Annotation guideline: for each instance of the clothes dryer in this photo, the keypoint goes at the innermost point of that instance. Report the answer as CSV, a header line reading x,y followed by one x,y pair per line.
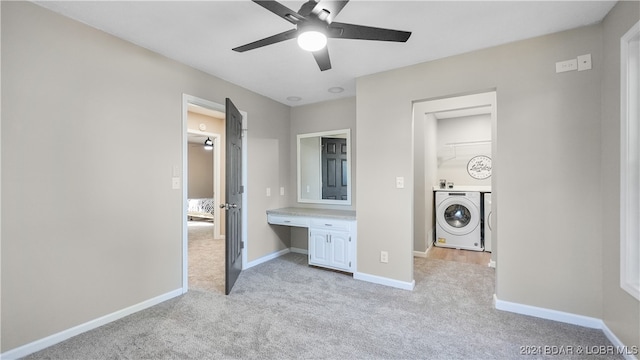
x,y
487,222
458,220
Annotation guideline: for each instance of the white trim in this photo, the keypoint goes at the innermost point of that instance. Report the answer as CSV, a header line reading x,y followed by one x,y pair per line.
x,y
335,133
549,314
569,318
266,258
615,341
299,251
51,340
385,281
428,245
629,143
245,184
420,254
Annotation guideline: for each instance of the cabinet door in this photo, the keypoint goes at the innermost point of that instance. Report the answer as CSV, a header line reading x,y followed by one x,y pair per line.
x,y
339,250
318,247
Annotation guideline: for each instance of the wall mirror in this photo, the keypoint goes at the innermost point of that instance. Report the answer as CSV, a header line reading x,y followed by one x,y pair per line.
x,y
324,169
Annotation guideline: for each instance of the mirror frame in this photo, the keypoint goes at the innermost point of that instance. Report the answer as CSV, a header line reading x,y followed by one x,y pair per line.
x,y
325,134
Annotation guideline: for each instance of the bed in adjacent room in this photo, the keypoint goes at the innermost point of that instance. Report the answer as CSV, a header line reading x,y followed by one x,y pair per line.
x,y
200,208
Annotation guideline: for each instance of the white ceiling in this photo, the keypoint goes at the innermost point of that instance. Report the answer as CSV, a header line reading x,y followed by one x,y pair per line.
x,y
201,34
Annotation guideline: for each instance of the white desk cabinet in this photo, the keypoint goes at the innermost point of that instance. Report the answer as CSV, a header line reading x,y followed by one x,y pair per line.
x,y
332,235
330,244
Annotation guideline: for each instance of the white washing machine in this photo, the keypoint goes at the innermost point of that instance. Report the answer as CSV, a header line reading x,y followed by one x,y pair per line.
x,y
458,220
487,222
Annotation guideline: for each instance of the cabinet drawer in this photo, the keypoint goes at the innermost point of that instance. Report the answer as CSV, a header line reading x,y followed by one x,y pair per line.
x,y
330,224
287,220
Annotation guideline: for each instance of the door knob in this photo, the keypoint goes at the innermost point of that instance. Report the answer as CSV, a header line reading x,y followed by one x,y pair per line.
x,y
228,206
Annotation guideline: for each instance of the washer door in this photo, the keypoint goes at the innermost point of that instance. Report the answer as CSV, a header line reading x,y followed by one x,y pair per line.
x,y
458,215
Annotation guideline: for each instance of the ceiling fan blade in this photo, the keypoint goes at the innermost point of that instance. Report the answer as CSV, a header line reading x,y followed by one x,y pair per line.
x,y
290,34
351,31
322,58
332,8
281,10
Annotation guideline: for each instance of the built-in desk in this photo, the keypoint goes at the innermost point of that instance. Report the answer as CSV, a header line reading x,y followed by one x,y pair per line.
x,y
332,234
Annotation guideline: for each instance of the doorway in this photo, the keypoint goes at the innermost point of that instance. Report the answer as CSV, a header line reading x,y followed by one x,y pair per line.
x,y
205,221
468,111
210,228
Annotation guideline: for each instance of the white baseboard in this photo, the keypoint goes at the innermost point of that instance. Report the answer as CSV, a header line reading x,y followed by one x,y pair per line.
x,y
564,317
421,254
266,258
299,251
549,314
428,245
385,281
50,340
616,342
358,276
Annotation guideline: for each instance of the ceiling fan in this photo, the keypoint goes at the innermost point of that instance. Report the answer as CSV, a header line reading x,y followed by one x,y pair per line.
x,y
314,24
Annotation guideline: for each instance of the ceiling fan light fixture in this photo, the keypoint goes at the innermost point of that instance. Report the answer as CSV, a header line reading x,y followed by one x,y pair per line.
x,y
208,144
312,40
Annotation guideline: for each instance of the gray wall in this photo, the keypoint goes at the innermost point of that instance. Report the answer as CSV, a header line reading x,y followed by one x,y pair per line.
x,y
547,143
324,116
201,179
91,224
453,166
556,168
200,172
425,177
621,310
63,83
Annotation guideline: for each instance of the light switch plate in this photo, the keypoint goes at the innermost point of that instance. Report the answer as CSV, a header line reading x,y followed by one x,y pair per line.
x,y
400,182
567,65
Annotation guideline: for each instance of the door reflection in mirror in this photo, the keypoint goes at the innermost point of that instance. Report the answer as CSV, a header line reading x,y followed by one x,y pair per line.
x,y
324,167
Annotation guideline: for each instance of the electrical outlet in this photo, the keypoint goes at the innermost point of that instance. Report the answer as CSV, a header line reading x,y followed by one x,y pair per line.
x,y
268,191
282,191
384,257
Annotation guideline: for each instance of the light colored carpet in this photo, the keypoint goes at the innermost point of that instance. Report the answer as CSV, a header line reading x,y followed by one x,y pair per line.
x,y
206,258
284,309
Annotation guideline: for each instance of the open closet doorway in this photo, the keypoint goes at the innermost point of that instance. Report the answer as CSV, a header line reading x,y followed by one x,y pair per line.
x,y
454,143
205,179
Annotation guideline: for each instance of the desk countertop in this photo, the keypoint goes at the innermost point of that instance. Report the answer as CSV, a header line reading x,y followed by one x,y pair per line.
x,y
326,213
